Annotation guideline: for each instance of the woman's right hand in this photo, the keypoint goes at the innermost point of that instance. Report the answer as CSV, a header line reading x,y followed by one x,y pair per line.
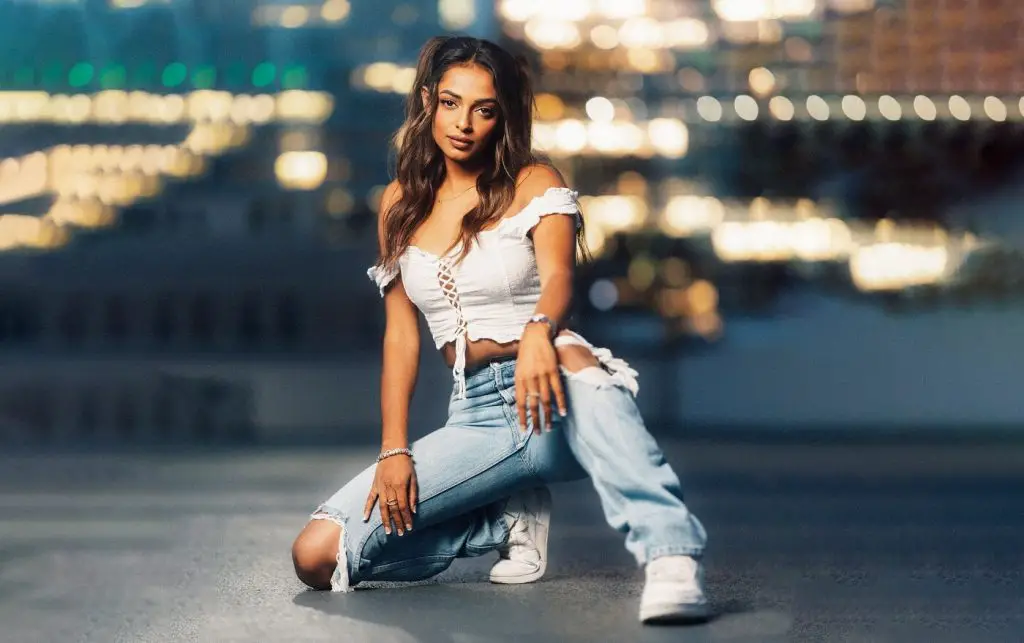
x,y
396,491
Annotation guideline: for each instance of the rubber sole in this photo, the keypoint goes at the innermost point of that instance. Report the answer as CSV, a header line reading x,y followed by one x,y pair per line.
x,y
519,580
674,613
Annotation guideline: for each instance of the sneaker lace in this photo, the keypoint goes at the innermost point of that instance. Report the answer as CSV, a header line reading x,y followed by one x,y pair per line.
x,y
519,542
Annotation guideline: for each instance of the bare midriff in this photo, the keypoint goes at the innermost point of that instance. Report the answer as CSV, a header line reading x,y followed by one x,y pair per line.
x,y
482,351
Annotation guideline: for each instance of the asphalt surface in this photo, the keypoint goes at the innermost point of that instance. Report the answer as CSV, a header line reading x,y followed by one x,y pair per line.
x,y
824,542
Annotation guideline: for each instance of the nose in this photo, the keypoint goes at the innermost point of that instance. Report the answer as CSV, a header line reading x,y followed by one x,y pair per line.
x,y
465,123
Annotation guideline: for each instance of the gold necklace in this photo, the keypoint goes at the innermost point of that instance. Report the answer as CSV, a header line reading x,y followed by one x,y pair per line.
x,y
452,198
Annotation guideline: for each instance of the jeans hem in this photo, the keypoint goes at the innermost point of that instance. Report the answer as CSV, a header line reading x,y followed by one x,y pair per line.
x,y
671,550
341,575
506,528
410,563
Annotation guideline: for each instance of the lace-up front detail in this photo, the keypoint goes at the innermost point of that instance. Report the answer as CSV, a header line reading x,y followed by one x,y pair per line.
x,y
446,279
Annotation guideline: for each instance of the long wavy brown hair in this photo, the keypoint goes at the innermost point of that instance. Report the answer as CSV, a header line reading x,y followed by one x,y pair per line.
x,y
421,164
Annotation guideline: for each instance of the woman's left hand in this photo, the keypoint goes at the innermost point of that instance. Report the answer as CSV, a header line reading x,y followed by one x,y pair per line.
x,y
538,381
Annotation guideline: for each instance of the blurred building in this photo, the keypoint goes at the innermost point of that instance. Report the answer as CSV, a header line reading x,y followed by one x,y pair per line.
x,y
189,195
189,192
843,165
730,150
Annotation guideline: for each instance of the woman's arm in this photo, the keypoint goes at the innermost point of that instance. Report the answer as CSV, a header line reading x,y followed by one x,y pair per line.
x,y
554,242
395,489
401,351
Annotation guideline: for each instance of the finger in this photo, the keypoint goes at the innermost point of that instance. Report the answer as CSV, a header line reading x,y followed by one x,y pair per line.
x,y
398,507
532,399
414,492
559,393
403,512
521,404
385,514
370,499
533,405
543,405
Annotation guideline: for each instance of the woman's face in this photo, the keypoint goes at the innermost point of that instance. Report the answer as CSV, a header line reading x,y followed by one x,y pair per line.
x,y
467,112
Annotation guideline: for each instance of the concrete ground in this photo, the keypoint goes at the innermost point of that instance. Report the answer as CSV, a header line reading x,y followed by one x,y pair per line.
x,y
808,542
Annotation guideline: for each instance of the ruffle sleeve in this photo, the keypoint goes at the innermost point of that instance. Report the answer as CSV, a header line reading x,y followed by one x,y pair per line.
x,y
382,277
553,201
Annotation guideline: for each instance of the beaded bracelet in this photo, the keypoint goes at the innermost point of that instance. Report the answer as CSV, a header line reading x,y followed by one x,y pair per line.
x,y
391,452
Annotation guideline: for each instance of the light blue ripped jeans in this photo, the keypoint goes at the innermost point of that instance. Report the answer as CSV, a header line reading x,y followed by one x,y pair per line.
x,y
468,469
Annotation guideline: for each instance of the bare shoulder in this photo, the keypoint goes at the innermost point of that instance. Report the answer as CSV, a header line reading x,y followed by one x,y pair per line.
x,y
534,180
392,193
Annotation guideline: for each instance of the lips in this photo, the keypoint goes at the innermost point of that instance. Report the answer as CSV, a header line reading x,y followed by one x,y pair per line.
x,y
461,143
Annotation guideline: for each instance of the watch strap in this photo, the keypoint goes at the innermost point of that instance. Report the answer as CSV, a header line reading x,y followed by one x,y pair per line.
x,y
543,319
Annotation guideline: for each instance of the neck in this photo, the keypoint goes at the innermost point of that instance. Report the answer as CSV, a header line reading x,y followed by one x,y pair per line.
x,y
460,176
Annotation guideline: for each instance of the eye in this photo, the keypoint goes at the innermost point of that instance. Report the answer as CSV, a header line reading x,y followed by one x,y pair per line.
x,y
486,112
447,102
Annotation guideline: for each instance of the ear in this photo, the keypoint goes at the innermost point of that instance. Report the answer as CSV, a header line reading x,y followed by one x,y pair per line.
x,y
425,97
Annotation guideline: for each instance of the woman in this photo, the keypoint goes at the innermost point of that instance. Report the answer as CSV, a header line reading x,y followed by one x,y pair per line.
x,y
481,239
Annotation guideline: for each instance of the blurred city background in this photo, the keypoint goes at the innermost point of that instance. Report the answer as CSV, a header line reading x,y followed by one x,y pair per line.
x,y
804,213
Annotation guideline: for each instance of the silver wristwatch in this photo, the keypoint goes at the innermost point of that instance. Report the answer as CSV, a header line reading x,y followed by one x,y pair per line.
x,y
543,319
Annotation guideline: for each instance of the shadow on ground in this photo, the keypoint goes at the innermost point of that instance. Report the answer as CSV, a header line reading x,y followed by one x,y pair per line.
x,y
583,609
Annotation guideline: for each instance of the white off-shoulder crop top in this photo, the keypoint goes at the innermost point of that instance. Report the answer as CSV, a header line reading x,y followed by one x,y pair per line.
x,y
492,292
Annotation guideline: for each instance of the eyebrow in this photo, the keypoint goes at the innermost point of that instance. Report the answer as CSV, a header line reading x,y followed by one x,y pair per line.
x,y
482,100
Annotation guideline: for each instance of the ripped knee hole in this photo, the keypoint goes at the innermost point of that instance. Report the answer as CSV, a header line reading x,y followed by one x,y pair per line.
x,y
576,358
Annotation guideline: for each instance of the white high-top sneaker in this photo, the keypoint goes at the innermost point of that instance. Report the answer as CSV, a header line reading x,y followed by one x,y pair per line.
x,y
524,558
674,592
